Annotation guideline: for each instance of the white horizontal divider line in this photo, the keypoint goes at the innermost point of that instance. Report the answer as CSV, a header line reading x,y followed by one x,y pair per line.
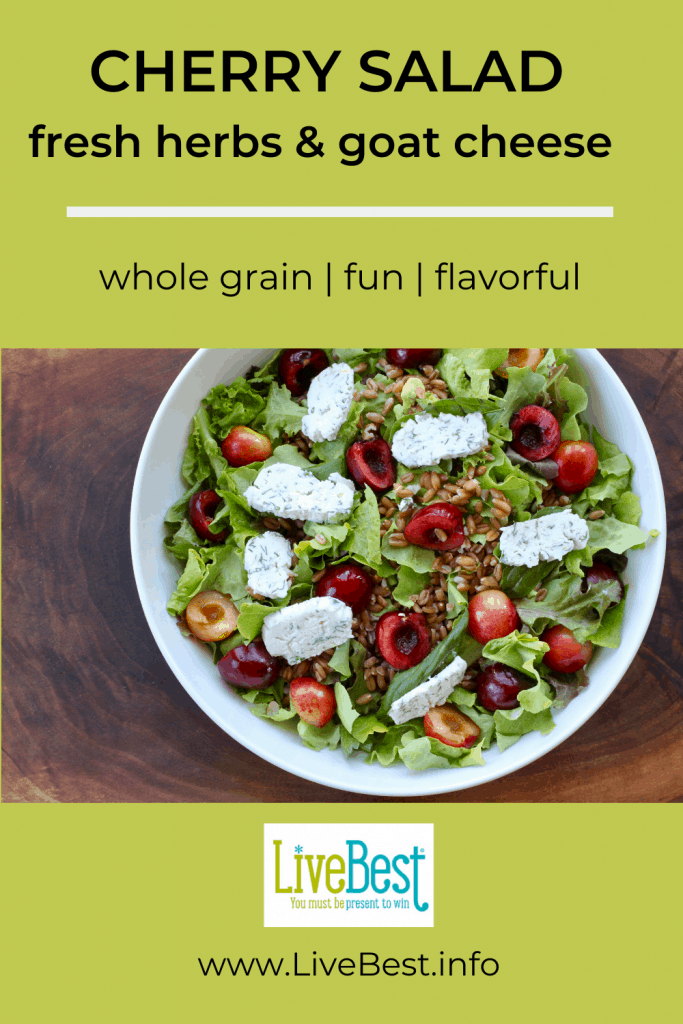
x,y
339,211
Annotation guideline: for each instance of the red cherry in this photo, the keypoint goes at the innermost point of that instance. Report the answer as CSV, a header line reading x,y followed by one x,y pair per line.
x,y
409,358
491,616
498,686
535,432
348,583
244,445
200,512
449,725
370,463
403,640
249,665
313,701
438,527
599,572
578,463
298,367
566,654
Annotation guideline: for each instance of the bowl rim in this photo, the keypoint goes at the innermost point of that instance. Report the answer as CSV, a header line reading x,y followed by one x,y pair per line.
x,y
431,787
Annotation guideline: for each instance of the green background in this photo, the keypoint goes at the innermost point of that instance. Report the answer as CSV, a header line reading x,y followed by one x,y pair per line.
x,y
619,77
108,907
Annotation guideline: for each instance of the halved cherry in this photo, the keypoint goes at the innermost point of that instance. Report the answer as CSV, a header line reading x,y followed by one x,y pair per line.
x,y
313,702
211,616
535,432
244,445
249,665
298,367
566,654
449,725
200,512
409,358
491,615
438,527
498,686
403,640
370,462
348,583
577,463
598,573
524,357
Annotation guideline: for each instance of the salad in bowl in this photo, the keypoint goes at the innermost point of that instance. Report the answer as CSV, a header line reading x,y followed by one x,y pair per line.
x,y
412,555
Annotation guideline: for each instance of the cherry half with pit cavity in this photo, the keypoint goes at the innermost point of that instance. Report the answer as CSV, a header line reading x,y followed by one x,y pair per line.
x,y
249,665
409,358
438,527
535,432
348,583
450,726
403,640
298,367
370,462
200,512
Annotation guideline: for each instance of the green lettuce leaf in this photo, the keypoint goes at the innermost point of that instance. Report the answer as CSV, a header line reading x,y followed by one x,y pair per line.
x,y
512,725
281,414
386,750
339,662
366,725
409,584
250,619
608,633
319,739
345,709
184,539
208,569
363,535
467,371
231,405
520,651
565,603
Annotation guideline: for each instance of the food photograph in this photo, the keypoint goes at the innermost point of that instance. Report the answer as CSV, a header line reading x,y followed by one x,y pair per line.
x,y
342,574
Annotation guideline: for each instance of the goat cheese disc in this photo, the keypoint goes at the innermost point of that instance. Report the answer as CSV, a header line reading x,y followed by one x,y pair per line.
x,y
542,540
329,400
284,490
268,561
304,630
424,440
429,694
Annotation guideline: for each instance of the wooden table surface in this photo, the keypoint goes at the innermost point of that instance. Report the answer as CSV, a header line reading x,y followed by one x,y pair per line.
x,y
91,711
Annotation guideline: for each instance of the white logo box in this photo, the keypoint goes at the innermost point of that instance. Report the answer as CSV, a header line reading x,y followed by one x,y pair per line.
x,y
348,876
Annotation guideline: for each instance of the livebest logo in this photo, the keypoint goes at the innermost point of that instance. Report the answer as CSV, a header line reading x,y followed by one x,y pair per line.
x,y
348,875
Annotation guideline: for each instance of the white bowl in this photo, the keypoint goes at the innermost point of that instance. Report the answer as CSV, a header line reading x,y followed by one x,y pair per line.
x,y
158,485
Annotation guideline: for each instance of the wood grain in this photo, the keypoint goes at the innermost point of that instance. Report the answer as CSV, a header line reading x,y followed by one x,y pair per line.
x,y
91,711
